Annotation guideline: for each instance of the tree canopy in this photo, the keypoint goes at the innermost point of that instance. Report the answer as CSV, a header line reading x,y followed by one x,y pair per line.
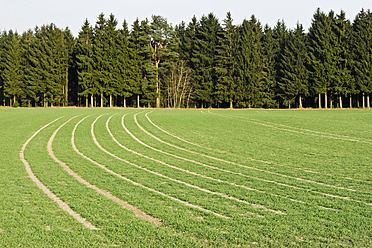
x,y
203,63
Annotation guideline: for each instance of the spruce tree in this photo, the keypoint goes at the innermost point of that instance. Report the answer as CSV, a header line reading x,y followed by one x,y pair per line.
x,y
41,77
100,57
321,54
67,55
270,52
293,68
203,58
362,54
161,34
188,44
342,83
2,50
129,67
251,64
225,64
12,73
26,40
112,72
33,70
137,59
83,51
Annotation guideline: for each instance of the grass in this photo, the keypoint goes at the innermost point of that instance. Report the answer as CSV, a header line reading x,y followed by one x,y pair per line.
x,y
213,177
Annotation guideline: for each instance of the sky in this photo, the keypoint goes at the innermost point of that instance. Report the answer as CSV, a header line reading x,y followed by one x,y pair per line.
x,y
21,15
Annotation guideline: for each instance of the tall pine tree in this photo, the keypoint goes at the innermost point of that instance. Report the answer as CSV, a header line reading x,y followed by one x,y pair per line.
x,y
203,58
293,82
362,53
321,54
226,63
83,51
251,65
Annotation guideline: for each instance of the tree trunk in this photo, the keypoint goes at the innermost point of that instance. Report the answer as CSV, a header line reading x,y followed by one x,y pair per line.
x,y
320,101
300,102
289,105
63,92
110,101
125,103
138,101
351,101
331,104
363,99
231,104
188,99
340,98
157,85
91,101
66,90
368,102
86,102
325,100
101,100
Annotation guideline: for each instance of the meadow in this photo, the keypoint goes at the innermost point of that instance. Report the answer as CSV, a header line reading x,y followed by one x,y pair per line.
x,y
76,177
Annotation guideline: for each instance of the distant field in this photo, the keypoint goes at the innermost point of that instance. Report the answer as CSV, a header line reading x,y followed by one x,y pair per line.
x,y
185,178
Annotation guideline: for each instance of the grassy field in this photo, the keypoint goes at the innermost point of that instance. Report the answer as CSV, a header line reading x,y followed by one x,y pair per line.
x,y
185,178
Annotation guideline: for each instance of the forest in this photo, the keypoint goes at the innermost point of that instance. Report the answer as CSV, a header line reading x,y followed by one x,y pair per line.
x,y
204,63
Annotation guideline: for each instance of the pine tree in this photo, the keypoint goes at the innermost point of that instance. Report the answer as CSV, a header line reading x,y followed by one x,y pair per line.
x,y
100,57
251,64
60,47
321,57
2,50
129,69
342,55
161,34
137,59
40,76
33,73
362,54
67,54
26,40
188,43
84,59
112,72
203,58
149,80
293,68
270,66
225,86
12,73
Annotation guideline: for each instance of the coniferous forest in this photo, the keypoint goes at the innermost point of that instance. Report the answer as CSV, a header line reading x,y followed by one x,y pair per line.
x,y
203,63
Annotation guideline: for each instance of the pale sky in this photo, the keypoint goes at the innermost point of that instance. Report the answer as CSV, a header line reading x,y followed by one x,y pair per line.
x,y
21,15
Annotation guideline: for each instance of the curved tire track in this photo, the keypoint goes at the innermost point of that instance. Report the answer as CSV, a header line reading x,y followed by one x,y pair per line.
x,y
64,206
138,184
189,172
265,171
251,159
286,128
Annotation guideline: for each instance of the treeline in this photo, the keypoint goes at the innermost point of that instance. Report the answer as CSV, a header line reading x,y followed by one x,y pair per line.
x,y
204,63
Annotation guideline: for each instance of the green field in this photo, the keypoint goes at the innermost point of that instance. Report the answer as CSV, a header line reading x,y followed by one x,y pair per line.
x,y
185,178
